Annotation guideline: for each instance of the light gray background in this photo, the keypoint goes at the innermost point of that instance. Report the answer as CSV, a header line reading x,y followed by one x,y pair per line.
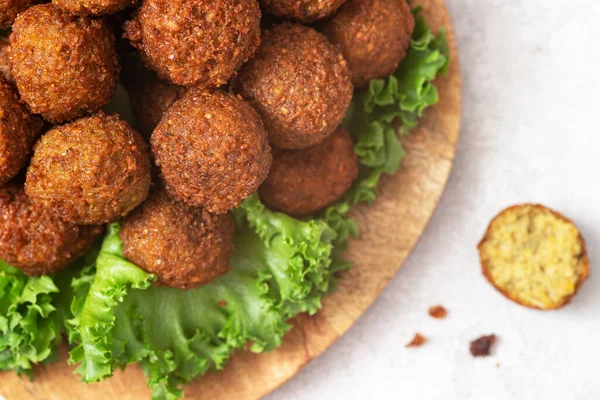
x,y
531,72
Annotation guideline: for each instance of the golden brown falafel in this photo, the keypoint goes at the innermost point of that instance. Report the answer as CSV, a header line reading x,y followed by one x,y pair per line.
x,y
151,97
10,8
94,7
91,171
36,241
303,182
534,256
300,85
5,71
64,66
212,149
373,35
196,42
304,11
18,132
183,246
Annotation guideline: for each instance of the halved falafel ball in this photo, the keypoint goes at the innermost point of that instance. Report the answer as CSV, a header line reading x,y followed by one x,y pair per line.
x,y
303,182
91,171
373,35
64,66
300,85
5,71
183,246
94,7
35,240
18,132
10,8
196,42
304,11
534,256
212,149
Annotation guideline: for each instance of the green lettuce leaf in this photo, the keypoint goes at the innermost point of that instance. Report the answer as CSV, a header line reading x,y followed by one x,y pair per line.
x,y
280,267
30,326
386,107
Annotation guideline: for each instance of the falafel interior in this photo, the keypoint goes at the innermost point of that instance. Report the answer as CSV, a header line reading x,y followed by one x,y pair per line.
x,y
534,256
280,266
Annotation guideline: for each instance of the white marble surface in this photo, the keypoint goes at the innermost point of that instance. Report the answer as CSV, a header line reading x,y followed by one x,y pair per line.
x,y
530,133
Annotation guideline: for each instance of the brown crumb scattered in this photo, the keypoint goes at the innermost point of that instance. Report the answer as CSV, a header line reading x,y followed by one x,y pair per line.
x,y
222,303
482,346
497,365
438,312
418,341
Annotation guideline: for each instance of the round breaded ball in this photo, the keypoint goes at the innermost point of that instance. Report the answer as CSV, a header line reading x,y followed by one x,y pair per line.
x,y
303,182
196,42
151,98
300,85
373,35
534,256
10,8
304,11
183,246
64,66
94,7
19,131
5,71
36,241
212,149
91,171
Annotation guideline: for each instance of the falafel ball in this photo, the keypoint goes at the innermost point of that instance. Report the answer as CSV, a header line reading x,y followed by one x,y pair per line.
x,y
212,149
150,99
64,66
10,8
373,35
5,71
183,246
36,241
18,132
303,182
534,256
94,7
91,171
196,42
304,11
300,85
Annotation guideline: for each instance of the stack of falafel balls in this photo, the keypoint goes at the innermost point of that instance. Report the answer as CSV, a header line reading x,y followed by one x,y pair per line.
x,y
231,97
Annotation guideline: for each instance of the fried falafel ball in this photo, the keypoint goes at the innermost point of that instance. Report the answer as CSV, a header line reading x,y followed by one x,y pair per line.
x,y
5,71
19,131
94,7
534,256
196,42
304,11
373,35
183,246
303,182
64,66
150,99
91,171
212,150
300,85
35,240
10,8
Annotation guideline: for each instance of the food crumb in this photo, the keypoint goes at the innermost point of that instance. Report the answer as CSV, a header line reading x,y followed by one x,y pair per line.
x,y
497,365
222,303
438,312
482,346
418,341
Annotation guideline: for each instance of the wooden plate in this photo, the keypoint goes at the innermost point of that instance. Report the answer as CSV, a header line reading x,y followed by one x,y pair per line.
x,y
389,230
